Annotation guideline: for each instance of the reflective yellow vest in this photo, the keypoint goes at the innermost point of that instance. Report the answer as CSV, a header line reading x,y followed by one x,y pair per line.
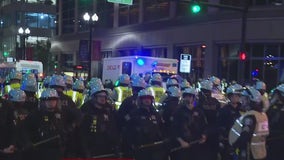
x,y
69,93
78,98
158,93
121,93
9,87
257,144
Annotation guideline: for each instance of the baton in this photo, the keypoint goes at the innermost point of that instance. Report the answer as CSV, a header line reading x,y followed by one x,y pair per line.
x,y
108,155
152,144
180,147
45,141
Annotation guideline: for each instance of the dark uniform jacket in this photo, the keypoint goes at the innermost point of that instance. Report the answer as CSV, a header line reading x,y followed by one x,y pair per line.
x,y
189,124
98,130
145,126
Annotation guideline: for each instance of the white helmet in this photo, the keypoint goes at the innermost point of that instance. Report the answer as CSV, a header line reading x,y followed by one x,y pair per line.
x,y
156,77
93,82
234,89
259,85
253,94
49,93
215,80
184,84
138,82
172,82
174,91
46,81
97,88
280,88
206,84
28,76
124,79
68,79
190,90
134,76
29,84
17,95
145,93
57,80
15,75
78,85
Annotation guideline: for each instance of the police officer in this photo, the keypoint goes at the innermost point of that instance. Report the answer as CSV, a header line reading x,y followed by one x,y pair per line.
x,y
68,88
145,129
93,82
98,129
127,106
29,86
78,93
217,91
189,126
184,84
72,115
249,132
20,111
169,107
226,118
57,82
47,129
276,122
123,90
45,84
7,131
15,78
261,87
156,88
171,82
210,107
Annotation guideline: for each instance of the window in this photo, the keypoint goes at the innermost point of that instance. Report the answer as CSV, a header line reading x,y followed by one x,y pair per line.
x,y
129,14
37,20
154,9
264,62
126,68
68,17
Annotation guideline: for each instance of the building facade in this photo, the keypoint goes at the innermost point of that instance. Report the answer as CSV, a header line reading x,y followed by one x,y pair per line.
x,y
38,16
167,28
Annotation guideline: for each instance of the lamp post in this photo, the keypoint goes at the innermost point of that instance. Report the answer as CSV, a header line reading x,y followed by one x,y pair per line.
x,y
24,33
91,19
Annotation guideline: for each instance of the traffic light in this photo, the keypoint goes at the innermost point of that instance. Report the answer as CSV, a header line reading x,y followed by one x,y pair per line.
x,y
242,55
195,7
78,67
55,66
5,54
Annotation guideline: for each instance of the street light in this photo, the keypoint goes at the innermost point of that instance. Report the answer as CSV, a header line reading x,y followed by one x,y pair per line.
x,y
91,20
24,33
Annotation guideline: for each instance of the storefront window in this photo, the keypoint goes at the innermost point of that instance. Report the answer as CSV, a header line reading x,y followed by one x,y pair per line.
x,y
264,62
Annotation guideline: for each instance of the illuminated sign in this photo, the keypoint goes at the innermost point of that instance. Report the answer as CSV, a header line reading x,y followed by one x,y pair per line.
x,y
185,63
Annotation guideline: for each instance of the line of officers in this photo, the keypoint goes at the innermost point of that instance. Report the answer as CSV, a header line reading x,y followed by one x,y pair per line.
x,y
140,120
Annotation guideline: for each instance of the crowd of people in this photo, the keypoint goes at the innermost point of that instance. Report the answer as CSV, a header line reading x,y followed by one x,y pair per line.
x,y
139,118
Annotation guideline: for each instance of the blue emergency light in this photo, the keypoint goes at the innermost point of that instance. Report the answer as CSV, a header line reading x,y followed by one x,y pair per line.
x,y
140,62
